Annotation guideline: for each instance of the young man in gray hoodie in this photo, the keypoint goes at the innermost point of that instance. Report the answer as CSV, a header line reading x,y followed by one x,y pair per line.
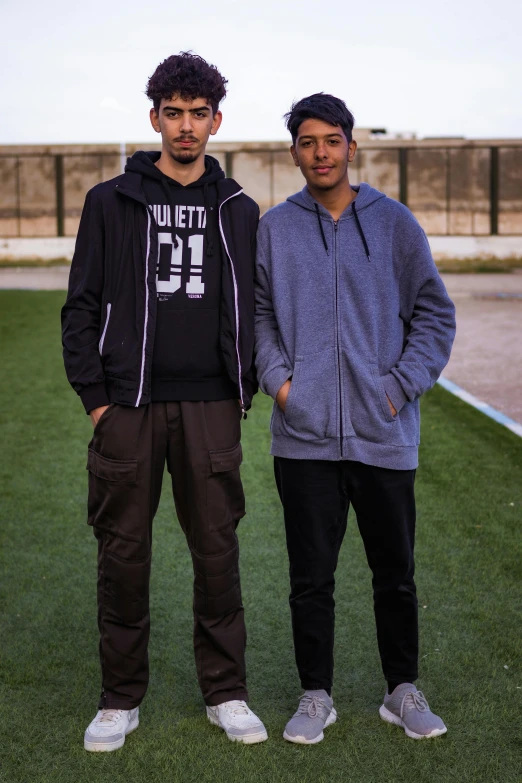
x,y
353,325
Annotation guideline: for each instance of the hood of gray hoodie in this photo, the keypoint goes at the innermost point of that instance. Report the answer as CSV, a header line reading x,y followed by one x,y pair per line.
x,y
356,314
366,195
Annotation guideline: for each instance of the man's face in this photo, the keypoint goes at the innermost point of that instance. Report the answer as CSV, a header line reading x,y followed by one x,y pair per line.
x,y
323,153
185,127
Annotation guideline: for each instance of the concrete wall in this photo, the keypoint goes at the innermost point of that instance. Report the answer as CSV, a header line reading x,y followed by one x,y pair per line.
x,y
454,187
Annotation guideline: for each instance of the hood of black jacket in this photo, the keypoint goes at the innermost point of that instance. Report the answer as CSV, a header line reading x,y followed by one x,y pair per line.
x,y
144,163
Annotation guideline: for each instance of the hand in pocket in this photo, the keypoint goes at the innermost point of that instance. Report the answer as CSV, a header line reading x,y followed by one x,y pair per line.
x,y
97,413
392,409
282,394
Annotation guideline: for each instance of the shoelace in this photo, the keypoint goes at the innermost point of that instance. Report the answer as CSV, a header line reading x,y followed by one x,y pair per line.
x,y
110,716
414,700
236,707
311,705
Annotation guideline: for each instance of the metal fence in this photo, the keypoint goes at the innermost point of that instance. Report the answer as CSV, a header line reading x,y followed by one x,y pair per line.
x,y
454,188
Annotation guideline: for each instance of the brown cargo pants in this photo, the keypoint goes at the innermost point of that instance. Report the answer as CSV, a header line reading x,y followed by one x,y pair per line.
x,y
200,442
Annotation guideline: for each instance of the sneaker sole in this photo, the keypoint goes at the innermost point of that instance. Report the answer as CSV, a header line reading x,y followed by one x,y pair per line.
x,y
101,747
247,739
390,717
303,741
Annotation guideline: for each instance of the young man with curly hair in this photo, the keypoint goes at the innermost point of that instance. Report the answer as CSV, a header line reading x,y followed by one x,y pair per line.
x,y
353,325
158,343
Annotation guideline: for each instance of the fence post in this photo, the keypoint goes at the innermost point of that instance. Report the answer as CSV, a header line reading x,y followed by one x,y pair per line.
x,y
58,167
18,199
228,163
403,175
493,189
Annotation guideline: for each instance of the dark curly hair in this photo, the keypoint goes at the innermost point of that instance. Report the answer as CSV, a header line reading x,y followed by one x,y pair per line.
x,y
188,75
320,106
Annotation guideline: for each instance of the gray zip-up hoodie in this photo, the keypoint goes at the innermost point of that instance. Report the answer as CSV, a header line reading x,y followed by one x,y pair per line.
x,y
352,311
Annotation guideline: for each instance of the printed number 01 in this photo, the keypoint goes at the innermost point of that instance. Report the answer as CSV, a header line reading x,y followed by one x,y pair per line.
x,y
173,284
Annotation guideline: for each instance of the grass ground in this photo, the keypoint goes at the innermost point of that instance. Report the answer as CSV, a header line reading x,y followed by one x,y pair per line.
x,y
8,263
469,581
479,265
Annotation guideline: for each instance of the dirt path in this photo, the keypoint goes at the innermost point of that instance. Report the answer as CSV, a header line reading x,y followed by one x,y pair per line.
x,y
487,355
30,278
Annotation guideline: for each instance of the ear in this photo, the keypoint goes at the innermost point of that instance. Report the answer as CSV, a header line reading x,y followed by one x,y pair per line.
x,y
154,120
216,122
352,147
293,153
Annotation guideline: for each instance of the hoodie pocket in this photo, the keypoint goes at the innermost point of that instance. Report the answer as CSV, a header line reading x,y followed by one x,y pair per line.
x,y
367,409
311,406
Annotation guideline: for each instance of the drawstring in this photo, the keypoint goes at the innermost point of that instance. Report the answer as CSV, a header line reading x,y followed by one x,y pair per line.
x,y
170,201
357,221
208,230
361,232
321,226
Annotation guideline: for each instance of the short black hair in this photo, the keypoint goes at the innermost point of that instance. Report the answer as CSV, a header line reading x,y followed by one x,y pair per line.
x,y
188,75
320,106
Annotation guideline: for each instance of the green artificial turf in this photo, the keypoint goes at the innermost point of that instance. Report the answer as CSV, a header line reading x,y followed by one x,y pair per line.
x,y
469,579
479,264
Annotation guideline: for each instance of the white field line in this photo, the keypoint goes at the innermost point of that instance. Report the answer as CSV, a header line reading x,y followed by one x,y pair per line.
x,y
497,416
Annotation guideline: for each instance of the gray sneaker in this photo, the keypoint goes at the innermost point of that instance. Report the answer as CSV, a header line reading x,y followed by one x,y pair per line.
x,y
315,713
408,708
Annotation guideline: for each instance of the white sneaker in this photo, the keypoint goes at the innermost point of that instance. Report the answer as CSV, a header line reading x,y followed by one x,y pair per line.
x,y
109,728
238,722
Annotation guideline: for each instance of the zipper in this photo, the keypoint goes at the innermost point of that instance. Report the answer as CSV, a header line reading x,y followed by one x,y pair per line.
x,y
236,302
146,322
102,338
336,226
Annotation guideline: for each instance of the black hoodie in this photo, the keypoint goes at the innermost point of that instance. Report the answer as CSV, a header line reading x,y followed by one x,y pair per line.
x,y
187,362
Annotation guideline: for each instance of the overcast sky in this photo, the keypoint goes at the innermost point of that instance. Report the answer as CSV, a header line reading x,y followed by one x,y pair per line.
x,y
75,72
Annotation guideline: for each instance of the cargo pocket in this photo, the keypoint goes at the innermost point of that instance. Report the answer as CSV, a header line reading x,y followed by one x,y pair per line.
x,y
225,497
113,503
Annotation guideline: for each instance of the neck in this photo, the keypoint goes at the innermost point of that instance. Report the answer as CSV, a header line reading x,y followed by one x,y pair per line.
x,y
336,199
184,173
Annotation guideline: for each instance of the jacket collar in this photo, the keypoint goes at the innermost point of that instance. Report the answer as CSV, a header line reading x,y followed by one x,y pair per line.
x,y
130,184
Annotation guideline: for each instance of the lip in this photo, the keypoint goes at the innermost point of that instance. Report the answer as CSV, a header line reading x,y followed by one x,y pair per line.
x,y
186,142
322,169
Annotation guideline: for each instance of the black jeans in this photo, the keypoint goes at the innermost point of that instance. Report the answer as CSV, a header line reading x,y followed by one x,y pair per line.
x,y
316,495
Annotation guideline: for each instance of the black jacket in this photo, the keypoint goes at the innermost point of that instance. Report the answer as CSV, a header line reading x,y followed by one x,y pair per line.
x,y
109,318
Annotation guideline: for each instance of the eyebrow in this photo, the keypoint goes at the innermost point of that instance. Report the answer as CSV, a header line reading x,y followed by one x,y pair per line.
x,y
328,136
191,111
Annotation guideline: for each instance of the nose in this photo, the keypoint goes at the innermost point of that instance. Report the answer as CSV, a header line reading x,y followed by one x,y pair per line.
x,y
186,124
321,152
